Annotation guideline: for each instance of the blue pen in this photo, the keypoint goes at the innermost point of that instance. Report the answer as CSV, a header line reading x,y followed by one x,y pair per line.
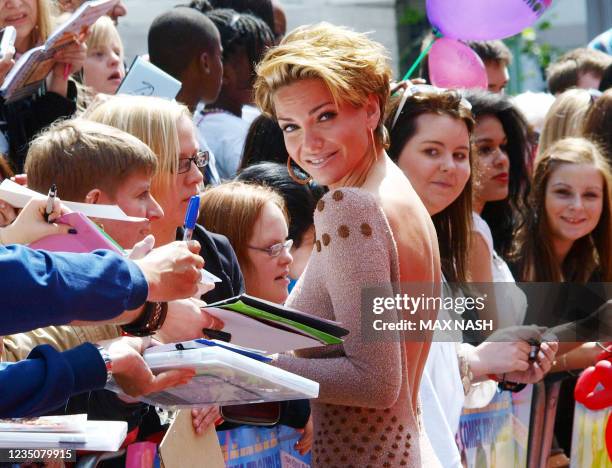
x,y
191,217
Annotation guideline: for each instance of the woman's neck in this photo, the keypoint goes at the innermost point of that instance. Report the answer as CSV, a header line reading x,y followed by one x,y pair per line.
x,y
24,44
477,205
367,168
561,248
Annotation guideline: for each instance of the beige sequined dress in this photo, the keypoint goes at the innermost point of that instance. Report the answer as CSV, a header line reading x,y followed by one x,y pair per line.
x,y
362,417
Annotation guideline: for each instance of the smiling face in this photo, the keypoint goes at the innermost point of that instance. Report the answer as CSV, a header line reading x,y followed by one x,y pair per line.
x,y
573,201
134,197
23,15
491,163
330,142
268,277
436,160
175,198
103,68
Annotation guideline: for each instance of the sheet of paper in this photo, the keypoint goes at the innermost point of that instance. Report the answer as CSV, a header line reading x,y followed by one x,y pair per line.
x,y
252,333
145,79
208,277
99,436
88,238
18,196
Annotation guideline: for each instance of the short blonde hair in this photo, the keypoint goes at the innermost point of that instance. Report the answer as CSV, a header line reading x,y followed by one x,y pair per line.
x,y
232,209
79,156
565,118
351,65
154,121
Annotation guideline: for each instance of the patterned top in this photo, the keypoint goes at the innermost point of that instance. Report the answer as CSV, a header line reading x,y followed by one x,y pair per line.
x,y
363,415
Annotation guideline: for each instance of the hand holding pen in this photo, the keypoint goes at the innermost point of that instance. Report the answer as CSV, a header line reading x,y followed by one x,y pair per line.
x,y
50,202
31,223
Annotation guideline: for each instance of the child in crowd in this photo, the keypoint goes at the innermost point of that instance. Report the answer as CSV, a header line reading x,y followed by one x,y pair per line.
x,y
300,200
566,239
104,66
186,44
244,38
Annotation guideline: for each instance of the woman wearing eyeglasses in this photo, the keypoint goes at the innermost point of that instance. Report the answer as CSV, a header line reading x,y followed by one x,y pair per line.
x,y
166,127
254,219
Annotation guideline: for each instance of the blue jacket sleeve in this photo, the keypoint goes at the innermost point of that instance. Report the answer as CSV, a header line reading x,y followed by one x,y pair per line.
x,y
47,378
40,288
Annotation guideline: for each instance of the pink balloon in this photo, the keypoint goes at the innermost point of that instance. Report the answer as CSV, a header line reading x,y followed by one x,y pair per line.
x,y
452,64
479,20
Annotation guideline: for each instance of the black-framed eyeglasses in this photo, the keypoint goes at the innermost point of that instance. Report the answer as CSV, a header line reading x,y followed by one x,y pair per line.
x,y
200,159
276,249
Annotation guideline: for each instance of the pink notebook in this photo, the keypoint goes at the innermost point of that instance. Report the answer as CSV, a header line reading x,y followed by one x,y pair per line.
x,y
89,237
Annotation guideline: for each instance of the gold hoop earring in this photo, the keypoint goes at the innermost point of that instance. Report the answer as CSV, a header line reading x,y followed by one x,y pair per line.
x,y
374,144
294,177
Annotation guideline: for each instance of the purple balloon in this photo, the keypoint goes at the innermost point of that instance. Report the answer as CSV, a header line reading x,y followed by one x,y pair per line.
x,y
481,20
452,64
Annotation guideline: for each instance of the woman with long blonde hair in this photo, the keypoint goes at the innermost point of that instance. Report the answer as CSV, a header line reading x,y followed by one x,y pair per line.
x,y
24,118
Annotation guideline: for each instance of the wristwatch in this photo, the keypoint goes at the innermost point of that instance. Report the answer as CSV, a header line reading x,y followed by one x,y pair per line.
x,y
151,319
108,362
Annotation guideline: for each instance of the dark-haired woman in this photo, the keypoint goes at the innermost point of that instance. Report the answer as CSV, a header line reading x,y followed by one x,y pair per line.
x,y
264,142
244,39
501,181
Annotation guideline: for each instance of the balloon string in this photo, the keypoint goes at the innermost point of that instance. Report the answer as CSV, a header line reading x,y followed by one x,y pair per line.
x,y
437,35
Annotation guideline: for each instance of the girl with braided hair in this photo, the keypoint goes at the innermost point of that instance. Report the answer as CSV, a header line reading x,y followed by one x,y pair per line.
x,y
244,39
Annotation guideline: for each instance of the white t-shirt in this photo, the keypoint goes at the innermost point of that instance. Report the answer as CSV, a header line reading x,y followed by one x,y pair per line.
x,y
511,301
210,171
250,113
442,395
225,134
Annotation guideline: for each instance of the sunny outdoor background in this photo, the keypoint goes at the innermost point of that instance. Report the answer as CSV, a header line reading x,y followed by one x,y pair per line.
x,y
398,25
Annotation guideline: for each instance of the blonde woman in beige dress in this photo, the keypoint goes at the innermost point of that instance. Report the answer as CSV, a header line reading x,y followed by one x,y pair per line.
x,y
327,87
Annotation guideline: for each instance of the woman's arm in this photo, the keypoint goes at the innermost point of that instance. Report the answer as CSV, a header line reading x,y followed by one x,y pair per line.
x,y
369,373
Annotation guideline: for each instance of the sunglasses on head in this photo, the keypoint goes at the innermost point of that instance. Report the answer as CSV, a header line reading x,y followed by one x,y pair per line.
x,y
424,89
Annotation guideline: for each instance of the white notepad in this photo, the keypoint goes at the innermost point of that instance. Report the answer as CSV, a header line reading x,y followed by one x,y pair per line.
x,y
145,79
225,377
103,436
